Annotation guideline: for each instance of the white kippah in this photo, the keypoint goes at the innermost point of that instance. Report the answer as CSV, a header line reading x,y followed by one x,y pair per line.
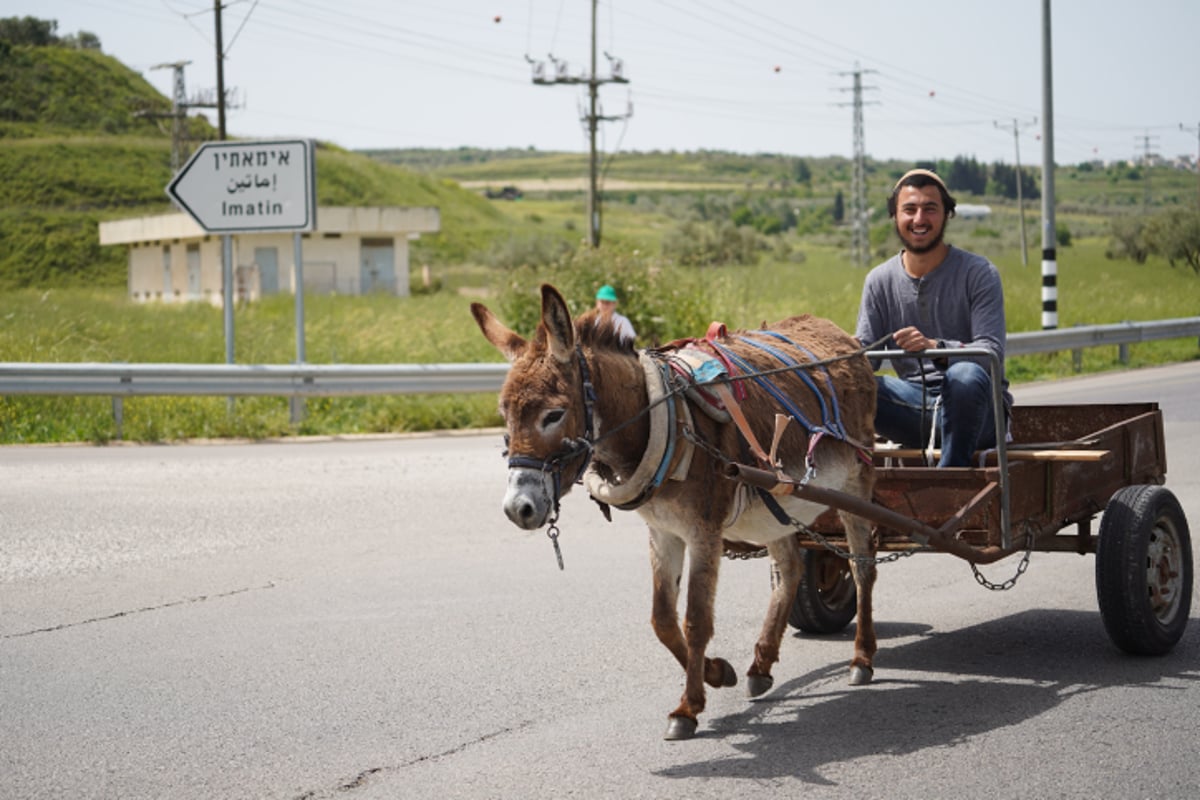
x,y
926,173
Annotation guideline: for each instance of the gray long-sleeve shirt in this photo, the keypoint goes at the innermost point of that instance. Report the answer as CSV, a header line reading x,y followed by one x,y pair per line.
x,y
960,303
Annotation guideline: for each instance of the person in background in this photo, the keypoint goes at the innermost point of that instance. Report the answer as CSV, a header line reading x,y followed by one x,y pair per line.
x,y
606,305
932,295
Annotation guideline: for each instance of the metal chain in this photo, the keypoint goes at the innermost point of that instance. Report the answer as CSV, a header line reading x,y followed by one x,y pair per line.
x,y
846,554
552,531
746,555
1021,567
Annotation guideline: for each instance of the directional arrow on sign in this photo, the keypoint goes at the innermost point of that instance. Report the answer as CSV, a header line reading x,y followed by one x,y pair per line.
x,y
249,186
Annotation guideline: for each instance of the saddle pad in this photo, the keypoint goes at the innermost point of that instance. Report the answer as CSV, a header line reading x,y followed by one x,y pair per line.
x,y
701,368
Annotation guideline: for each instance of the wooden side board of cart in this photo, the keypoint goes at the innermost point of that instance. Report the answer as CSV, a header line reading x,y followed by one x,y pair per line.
x,y
1065,466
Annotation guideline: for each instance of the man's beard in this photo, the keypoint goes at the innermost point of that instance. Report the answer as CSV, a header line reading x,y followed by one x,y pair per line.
x,y
910,247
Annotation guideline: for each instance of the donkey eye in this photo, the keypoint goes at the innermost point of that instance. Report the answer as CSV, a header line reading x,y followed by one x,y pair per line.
x,y
553,417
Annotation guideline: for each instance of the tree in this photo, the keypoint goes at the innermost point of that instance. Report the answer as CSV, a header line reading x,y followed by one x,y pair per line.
x,y
839,207
1128,240
34,32
1003,182
801,173
84,40
967,175
1175,236
28,31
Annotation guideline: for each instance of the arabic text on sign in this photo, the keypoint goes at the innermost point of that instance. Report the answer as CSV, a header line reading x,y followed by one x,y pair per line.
x,y
256,181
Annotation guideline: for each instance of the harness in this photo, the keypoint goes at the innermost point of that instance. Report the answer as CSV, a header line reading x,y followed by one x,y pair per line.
x,y
667,455
738,369
712,375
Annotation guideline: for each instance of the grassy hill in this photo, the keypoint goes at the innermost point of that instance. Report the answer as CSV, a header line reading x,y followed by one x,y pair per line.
x,y
77,149
1084,188
74,151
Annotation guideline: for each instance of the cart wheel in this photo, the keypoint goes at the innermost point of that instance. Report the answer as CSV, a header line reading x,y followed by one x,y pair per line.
x,y
826,600
1144,570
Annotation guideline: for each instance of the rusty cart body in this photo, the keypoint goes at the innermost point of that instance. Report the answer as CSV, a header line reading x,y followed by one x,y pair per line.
x,y
1064,467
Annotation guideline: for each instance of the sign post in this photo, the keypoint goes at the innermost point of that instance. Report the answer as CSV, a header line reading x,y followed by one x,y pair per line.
x,y
258,186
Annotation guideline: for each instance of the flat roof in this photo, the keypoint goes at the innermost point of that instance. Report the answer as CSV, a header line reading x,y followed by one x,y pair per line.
x,y
362,220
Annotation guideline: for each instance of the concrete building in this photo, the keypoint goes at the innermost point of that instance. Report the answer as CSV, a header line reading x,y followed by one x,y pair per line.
x,y
354,250
968,211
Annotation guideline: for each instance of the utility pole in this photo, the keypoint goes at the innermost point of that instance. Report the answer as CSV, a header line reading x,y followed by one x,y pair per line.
x,y
220,73
1147,155
592,118
1049,230
860,245
177,115
1195,130
1020,199
179,111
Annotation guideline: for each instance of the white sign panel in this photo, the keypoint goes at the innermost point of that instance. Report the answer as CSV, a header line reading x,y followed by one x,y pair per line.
x,y
249,186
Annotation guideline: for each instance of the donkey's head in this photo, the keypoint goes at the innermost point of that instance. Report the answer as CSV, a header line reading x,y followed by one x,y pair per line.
x,y
547,405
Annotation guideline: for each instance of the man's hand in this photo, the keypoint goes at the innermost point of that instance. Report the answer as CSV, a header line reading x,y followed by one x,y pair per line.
x,y
913,340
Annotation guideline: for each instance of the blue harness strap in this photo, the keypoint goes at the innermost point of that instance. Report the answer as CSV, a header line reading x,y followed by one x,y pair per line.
x,y
834,425
830,424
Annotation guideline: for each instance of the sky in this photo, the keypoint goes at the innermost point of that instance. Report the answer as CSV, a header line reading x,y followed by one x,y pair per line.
x,y
941,78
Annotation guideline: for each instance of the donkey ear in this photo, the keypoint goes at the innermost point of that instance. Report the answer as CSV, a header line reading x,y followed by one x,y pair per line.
x,y
557,321
507,342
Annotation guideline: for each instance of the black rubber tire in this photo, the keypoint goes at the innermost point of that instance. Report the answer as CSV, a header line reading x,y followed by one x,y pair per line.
x,y
1144,570
826,600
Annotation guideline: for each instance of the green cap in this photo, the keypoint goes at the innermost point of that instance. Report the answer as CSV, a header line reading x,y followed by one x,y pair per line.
x,y
607,293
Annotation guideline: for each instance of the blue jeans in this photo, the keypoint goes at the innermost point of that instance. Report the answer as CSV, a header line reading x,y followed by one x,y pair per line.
x,y
966,421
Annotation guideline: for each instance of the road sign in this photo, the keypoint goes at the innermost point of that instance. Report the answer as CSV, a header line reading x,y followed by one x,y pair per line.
x,y
249,186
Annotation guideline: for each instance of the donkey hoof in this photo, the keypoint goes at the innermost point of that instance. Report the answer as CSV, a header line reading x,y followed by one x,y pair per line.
x,y
861,676
719,673
679,728
757,685
728,673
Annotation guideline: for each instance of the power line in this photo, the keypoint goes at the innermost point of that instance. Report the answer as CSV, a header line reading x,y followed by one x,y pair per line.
x,y
1016,131
1147,159
1195,130
592,118
180,104
860,246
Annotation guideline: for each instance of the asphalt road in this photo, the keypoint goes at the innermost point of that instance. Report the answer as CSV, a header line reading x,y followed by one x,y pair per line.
x,y
357,619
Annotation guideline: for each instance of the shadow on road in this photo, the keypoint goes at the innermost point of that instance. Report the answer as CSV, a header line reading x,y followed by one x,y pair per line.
x,y
1000,673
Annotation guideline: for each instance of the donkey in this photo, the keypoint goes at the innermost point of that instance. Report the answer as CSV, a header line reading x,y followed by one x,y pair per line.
x,y
581,405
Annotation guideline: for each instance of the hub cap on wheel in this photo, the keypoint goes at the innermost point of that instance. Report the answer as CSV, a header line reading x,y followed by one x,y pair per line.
x,y
1164,571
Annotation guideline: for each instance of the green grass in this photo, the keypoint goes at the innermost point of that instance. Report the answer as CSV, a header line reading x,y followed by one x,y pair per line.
x,y
102,325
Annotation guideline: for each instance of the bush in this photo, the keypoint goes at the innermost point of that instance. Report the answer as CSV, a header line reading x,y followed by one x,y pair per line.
x,y
1062,235
696,244
1128,239
1174,235
663,302
525,251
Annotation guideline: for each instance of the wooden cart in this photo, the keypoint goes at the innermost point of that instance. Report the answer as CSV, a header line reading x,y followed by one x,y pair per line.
x,y
1065,466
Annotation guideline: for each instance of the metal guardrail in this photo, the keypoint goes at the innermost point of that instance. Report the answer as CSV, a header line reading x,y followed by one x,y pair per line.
x,y
330,380
237,380
1083,336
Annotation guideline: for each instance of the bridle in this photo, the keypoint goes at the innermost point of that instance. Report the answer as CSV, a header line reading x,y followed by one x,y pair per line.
x,y
571,449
